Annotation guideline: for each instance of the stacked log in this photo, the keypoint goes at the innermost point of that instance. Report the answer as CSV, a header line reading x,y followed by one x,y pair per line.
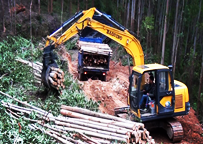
x,y
103,125
56,75
97,48
88,126
95,60
56,78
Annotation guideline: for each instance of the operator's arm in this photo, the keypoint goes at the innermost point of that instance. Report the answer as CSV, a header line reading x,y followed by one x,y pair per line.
x,y
151,91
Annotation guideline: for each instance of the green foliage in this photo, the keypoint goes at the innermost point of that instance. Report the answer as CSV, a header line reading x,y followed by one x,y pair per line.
x,y
19,83
149,22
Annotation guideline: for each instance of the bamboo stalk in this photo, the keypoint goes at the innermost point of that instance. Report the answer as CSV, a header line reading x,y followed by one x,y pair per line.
x,y
90,129
82,116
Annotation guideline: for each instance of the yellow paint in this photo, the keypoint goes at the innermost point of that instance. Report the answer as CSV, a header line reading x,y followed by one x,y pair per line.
x,y
181,90
165,99
148,67
169,82
157,109
128,41
136,114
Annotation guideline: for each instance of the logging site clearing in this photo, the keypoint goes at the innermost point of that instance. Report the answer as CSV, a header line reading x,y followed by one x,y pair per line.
x,y
113,93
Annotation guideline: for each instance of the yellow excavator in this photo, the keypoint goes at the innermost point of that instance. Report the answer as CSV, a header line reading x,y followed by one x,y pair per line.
x,y
171,96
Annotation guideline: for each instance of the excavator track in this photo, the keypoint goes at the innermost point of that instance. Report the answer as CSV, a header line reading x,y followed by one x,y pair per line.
x,y
174,130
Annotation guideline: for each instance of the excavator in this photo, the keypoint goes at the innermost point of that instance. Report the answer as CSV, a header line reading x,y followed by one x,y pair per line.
x,y
171,96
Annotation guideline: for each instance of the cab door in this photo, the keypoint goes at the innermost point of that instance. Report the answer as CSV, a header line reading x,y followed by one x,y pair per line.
x,y
165,92
134,89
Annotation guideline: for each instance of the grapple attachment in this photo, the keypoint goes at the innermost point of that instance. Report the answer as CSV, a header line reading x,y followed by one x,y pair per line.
x,y
52,76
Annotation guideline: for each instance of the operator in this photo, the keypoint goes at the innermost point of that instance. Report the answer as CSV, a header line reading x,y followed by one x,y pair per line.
x,y
148,92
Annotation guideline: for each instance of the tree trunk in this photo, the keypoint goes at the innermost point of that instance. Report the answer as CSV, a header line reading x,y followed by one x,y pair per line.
x,y
200,88
86,3
194,51
78,6
70,8
15,18
138,18
48,6
61,12
3,21
31,20
164,34
92,3
39,6
51,6
133,15
128,13
178,38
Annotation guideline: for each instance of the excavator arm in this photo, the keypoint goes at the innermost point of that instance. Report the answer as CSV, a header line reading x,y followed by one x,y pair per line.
x,y
119,34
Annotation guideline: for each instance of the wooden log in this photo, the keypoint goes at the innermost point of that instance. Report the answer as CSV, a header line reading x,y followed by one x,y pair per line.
x,y
58,138
101,115
66,138
103,127
90,129
53,75
17,109
58,70
15,106
86,138
52,81
101,140
92,133
36,74
39,63
82,116
94,123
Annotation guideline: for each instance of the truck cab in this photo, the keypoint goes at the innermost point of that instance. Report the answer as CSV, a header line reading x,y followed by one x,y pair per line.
x,y
170,97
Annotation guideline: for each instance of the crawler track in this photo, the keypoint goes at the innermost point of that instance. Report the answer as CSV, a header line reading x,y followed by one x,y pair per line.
x,y
174,130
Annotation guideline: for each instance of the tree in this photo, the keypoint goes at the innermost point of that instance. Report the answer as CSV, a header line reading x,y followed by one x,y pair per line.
x,y
164,34
133,14
175,34
39,6
3,21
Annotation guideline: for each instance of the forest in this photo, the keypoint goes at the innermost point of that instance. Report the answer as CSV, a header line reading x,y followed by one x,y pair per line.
x,y
170,32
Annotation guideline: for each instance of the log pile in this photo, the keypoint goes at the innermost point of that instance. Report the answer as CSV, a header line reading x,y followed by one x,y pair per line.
x,y
86,126
97,48
56,75
95,60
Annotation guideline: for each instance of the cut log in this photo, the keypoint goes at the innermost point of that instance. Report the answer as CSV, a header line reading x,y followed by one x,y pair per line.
x,y
101,115
90,129
95,125
86,138
92,133
100,120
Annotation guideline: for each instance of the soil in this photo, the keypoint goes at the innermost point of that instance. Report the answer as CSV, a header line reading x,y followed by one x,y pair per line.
x,y
113,93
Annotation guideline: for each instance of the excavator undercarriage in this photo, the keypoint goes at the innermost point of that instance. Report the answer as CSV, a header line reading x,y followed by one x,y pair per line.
x,y
172,127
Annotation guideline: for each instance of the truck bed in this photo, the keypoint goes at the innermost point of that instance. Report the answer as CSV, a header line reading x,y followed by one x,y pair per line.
x,y
97,48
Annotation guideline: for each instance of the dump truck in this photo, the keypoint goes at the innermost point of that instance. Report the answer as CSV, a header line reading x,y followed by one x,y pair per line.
x,y
93,60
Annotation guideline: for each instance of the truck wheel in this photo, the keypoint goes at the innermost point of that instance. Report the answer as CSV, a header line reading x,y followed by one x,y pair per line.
x,y
81,76
103,78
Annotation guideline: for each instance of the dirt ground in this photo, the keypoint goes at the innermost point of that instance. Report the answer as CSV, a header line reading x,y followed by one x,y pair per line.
x,y
113,93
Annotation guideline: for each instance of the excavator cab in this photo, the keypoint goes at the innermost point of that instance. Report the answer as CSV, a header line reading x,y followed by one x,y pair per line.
x,y
162,103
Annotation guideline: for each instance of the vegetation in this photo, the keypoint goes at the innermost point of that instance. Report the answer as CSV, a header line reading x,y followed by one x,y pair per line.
x,y
182,46
20,84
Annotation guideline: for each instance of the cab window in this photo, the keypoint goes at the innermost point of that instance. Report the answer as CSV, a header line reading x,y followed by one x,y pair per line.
x,y
163,85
